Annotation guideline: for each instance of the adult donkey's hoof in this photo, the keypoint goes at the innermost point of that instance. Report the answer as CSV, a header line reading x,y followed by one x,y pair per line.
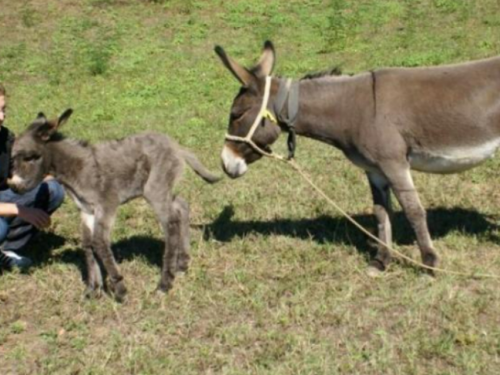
x,y
430,260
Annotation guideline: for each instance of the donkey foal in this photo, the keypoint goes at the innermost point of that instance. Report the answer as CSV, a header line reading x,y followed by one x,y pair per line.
x,y
101,177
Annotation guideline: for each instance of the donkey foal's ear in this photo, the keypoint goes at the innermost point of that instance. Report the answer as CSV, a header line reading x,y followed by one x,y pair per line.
x,y
41,116
64,117
45,131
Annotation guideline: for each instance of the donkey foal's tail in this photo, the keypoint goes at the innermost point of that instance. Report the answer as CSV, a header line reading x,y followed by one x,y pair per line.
x,y
199,168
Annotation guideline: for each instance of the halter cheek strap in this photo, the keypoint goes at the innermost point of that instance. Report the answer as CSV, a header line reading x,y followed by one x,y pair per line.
x,y
288,91
263,113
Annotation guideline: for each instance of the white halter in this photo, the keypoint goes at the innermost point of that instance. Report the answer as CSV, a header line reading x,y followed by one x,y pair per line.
x,y
263,113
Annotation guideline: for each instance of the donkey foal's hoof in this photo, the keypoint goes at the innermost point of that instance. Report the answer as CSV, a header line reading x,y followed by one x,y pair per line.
x,y
374,272
119,291
93,292
183,264
164,287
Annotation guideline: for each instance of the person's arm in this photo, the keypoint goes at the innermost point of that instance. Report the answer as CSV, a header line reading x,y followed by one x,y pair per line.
x,y
34,216
8,209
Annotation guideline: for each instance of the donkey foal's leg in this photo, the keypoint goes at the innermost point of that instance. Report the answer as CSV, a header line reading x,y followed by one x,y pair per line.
x,y
162,205
404,189
169,256
382,209
178,233
101,244
94,276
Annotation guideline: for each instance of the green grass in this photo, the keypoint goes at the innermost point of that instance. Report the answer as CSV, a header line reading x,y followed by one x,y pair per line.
x,y
276,284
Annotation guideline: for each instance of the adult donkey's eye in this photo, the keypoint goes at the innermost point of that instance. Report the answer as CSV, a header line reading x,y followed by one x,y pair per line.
x,y
238,115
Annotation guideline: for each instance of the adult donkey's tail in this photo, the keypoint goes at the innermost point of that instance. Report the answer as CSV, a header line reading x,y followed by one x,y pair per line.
x,y
199,168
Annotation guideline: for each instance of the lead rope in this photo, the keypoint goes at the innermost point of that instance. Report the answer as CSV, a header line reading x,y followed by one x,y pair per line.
x,y
296,167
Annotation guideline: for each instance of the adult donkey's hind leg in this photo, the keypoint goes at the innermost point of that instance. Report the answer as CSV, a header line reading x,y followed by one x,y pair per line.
x,y
381,194
401,182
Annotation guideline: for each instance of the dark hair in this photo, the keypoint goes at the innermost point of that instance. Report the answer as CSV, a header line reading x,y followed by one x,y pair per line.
x,y
335,71
2,90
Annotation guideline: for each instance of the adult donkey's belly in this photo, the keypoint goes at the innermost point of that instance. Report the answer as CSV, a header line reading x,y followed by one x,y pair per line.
x,y
452,160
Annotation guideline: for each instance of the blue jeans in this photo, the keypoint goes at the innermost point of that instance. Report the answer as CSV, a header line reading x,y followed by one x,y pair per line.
x,y
15,232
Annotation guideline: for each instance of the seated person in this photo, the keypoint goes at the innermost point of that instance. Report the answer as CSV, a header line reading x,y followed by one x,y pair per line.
x,y
21,216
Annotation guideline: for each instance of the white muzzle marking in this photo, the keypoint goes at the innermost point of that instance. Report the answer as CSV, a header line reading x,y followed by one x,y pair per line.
x,y
16,180
234,165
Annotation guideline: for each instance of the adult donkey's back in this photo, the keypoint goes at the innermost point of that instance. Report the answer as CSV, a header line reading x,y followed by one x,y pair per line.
x,y
440,120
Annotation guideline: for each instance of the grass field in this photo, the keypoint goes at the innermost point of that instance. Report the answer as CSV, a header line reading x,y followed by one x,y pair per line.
x,y
277,281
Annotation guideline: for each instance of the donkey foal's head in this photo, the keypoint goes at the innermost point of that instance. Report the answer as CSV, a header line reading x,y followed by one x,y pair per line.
x,y
31,159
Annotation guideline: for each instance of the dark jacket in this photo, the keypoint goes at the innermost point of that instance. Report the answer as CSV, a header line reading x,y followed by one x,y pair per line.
x,y
6,141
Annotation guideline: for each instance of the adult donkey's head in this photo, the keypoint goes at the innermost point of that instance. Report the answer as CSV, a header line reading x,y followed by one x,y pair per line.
x,y
31,159
246,112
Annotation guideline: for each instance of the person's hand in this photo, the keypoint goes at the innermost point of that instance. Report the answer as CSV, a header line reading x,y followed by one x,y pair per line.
x,y
39,218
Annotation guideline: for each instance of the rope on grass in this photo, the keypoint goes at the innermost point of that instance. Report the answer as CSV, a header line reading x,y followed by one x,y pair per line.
x,y
320,192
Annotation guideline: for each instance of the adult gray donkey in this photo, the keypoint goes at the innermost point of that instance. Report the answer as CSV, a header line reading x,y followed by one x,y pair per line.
x,y
101,177
439,119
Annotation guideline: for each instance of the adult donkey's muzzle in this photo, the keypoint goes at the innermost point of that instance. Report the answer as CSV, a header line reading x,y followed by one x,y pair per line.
x,y
233,164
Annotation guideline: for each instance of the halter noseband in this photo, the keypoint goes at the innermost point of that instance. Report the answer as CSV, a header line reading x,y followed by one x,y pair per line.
x,y
286,91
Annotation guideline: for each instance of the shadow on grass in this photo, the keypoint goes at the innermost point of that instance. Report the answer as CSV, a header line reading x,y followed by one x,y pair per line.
x,y
336,229
148,248
40,248
323,229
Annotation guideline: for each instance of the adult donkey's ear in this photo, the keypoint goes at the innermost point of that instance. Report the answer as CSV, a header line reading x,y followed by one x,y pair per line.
x,y
266,62
241,73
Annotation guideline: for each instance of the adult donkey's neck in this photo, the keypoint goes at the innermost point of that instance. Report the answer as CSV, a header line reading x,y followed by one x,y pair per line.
x,y
331,109
69,161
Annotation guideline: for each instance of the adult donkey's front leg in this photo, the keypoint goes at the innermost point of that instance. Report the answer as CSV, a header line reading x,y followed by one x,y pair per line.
x,y
101,244
94,276
381,194
401,182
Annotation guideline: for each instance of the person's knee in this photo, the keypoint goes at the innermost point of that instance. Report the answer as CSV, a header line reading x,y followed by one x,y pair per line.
x,y
4,230
56,193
